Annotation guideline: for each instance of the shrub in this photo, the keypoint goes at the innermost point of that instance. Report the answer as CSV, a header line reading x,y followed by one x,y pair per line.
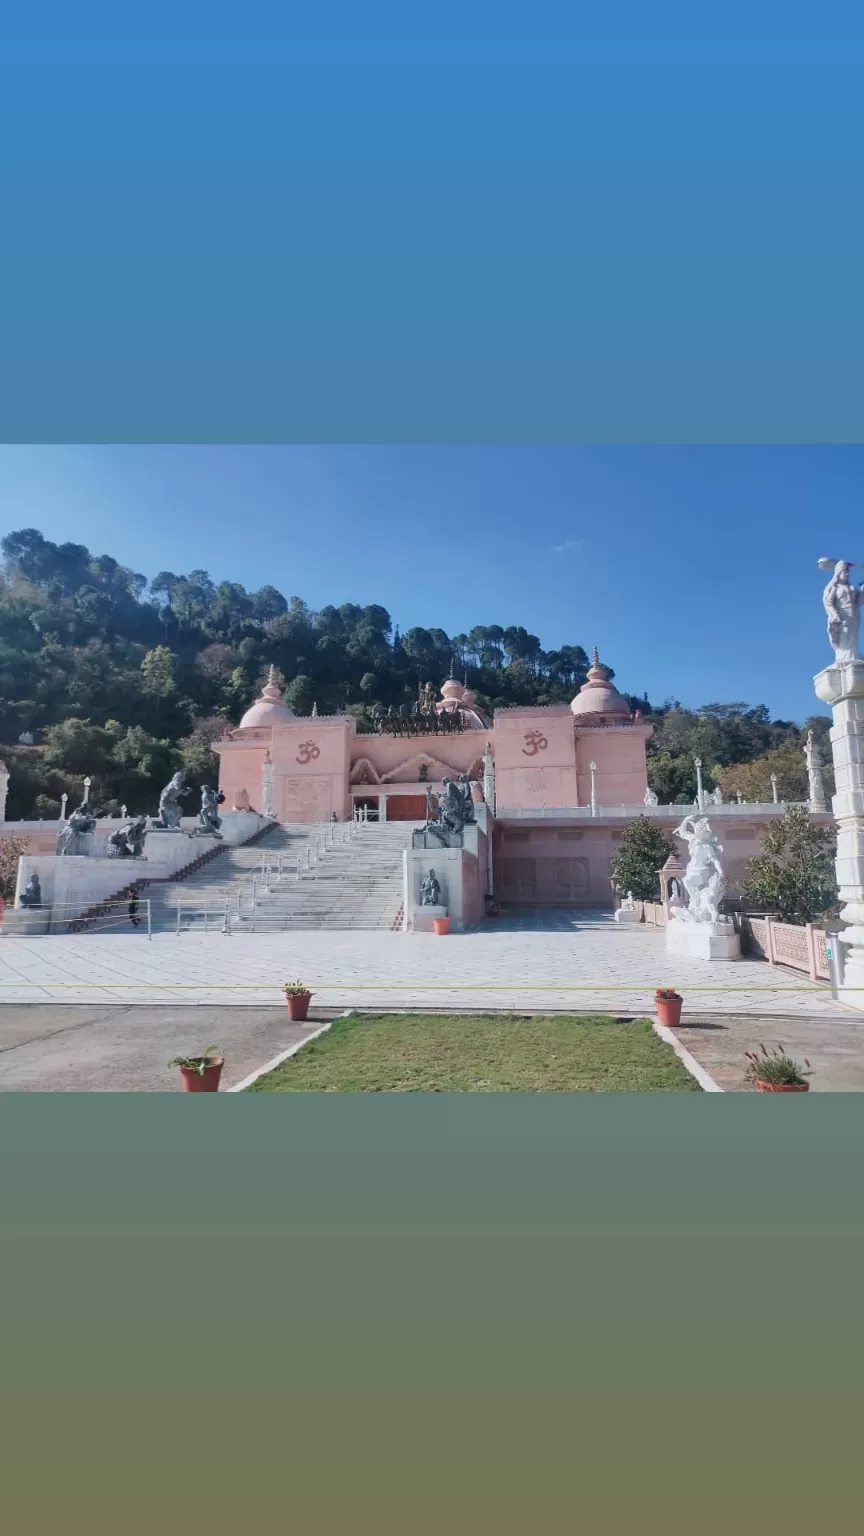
x,y
641,854
794,873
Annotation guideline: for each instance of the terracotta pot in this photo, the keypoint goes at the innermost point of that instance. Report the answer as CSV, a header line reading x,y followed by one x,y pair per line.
x,y
782,1087
441,924
206,1081
669,1011
298,1005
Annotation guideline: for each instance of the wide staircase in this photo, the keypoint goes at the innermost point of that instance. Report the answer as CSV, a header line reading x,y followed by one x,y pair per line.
x,y
294,877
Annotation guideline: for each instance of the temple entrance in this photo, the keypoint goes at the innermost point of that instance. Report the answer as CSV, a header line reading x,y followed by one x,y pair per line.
x,y
406,807
368,806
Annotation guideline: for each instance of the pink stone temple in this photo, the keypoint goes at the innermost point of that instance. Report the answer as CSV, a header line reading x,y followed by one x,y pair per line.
x,y
567,781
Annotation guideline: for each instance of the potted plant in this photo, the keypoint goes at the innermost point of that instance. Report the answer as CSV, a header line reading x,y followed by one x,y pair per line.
x,y
297,996
441,924
200,1074
668,1004
775,1072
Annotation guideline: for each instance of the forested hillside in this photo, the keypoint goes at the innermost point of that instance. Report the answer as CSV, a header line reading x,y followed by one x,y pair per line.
x,y
127,677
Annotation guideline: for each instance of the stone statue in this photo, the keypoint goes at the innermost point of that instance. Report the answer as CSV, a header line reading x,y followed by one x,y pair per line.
x,y
31,896
717,796
446,820
128,841
814,774
242,801
469,817
650,798
170,811
704,879
430,891
74,840
209,820
842,604
629,905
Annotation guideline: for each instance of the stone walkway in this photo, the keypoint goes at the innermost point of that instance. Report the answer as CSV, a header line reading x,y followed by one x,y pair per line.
x,y
834,1045
572,961
46,1049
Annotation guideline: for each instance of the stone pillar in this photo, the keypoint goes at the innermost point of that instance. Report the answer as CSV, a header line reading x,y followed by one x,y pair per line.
x,y
489,778
842,686
267,771
4,789
814,775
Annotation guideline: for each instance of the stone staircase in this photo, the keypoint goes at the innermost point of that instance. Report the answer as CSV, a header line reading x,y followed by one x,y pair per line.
x,y
294,877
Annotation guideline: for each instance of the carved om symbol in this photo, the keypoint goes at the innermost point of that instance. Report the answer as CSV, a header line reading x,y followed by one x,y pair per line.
x,y
535,742
308,752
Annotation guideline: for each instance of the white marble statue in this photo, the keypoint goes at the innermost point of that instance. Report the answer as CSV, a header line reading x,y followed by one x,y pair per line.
x,y
717,797
704,879
842,602
629,905
814,774
650,798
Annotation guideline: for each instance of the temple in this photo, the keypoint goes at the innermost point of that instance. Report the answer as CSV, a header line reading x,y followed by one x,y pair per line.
x,y
545,758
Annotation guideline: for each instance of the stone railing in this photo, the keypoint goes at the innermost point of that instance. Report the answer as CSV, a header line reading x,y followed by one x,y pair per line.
x,y
787,944
730,809
654,914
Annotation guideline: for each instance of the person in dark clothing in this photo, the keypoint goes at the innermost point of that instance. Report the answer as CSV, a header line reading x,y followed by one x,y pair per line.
x,y
134,917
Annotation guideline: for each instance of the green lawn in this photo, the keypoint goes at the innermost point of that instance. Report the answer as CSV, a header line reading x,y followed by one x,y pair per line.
x,y
481,1053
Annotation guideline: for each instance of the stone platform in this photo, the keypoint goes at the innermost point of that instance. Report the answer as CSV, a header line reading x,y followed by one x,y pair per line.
x,y
703,941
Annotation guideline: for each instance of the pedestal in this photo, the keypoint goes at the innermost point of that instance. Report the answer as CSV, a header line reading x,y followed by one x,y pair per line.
x,y
628,915
424,917
703,941
842,686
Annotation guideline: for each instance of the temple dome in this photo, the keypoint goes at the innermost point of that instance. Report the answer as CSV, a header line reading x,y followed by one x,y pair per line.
x,y
269,708
598,697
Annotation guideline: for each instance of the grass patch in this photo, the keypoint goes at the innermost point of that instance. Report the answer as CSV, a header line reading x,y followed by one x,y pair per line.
x,y
481,1053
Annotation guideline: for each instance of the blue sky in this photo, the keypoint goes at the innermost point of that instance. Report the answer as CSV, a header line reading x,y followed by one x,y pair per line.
x,y
692,569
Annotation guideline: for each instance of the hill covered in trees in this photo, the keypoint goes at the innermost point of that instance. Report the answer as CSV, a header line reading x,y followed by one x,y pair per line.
x,y
128,678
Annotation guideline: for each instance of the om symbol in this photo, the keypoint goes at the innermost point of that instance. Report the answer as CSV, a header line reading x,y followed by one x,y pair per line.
x,y
308,752
535,742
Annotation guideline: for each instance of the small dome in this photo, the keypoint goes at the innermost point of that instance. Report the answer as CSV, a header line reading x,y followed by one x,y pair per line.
x,y
598,697
452,690
268,709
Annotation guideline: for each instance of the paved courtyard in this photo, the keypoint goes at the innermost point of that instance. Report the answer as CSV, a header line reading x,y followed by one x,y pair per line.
x,y
84,1002
555,960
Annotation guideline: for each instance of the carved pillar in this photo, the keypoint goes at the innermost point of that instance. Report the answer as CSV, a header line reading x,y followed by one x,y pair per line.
x,y
814,774
489,778
842,686
267,807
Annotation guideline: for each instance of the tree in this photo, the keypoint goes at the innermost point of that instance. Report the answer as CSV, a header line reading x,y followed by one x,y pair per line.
x,y
753,780
299,695
794,873
11,850
639,857
157,672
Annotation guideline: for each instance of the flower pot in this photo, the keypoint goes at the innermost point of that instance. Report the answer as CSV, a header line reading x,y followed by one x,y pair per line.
x,y
206,1081
669,1011
441,924
298,1006
782,1087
